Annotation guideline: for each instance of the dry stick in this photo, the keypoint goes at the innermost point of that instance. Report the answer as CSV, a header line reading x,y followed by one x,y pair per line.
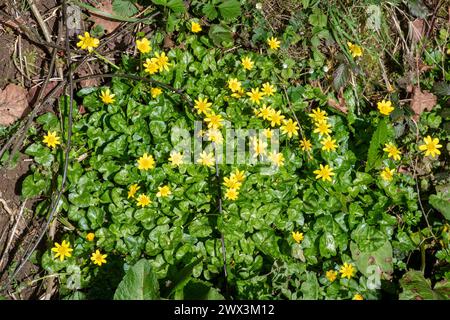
x,y
40,21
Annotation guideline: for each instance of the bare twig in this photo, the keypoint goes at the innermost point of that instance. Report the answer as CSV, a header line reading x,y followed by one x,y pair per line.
x,y
39,20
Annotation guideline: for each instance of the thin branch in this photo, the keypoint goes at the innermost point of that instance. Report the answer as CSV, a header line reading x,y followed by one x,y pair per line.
x,y
39,20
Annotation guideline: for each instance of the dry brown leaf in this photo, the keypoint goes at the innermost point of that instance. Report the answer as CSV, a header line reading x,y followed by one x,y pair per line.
x,y
338,105
13,103
109,25
422,101
417,30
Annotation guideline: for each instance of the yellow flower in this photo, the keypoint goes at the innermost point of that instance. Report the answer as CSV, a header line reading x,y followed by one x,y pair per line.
x,y
143,45
151,66
358,297
259,147
62,250
51,139
231,194
275,118
392,151
322,128
206,159
385,107
331,275
297,236
431,146
266,112
234,85
347,271
318,115
163,191
277,159
290,127
255,95
387,174
238,175
355,50
238,94
146,162
273,43
247,63
196,27
306,145
90,236
176,158
231,182
214,135
155,92
162,60
132,191
268,89
98,258
325,172
202,105
328,144
143,200
214,120
87,42
107,97
268,133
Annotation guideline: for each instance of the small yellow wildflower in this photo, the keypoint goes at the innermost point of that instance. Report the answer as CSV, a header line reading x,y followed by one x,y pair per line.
x,y
162,60
176,158
238,175
273,43
385,107
347,271
206,159
358,297
231,194
275,118
151,66
322,128
289,127
355,50
202,105
62,250
196,27
328,144
98,258
255,96
90,236
392,151
155,92
306,145
107,97
234,85
277,159
247,63
318,115
297,236
143,200
214,135
87,42
51,139
431,147
331,275
132,191
146,162
163,191
268,89
259,147
324,173
143,45
265,112
238,94
387,174
214,120
268,133
231,182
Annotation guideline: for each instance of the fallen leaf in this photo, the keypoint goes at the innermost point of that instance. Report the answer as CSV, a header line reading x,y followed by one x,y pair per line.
x,y
422,101
13,103
416,30
107,24
340,105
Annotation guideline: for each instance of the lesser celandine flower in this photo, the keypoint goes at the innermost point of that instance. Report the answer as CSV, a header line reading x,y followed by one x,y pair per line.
x,y
202,105
273,43
163,61
305,144
387,174
385,107
259,147
238,94
143,200
151,65
51,139
355,50
277,158
268,89
206,159
290,127
331,275
98,258
358,297
231,182
322,128
255,95
231,194
214,120
107,97
325,173
234,85
132,190
268,133
214,135
238,175
155,92
392,151
318,115
265,112
176,158
247,63
87,42
62,250
143,45
431,147
90,236
347,271
146,162
328,144
275,118
163,191
196,27
297,236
